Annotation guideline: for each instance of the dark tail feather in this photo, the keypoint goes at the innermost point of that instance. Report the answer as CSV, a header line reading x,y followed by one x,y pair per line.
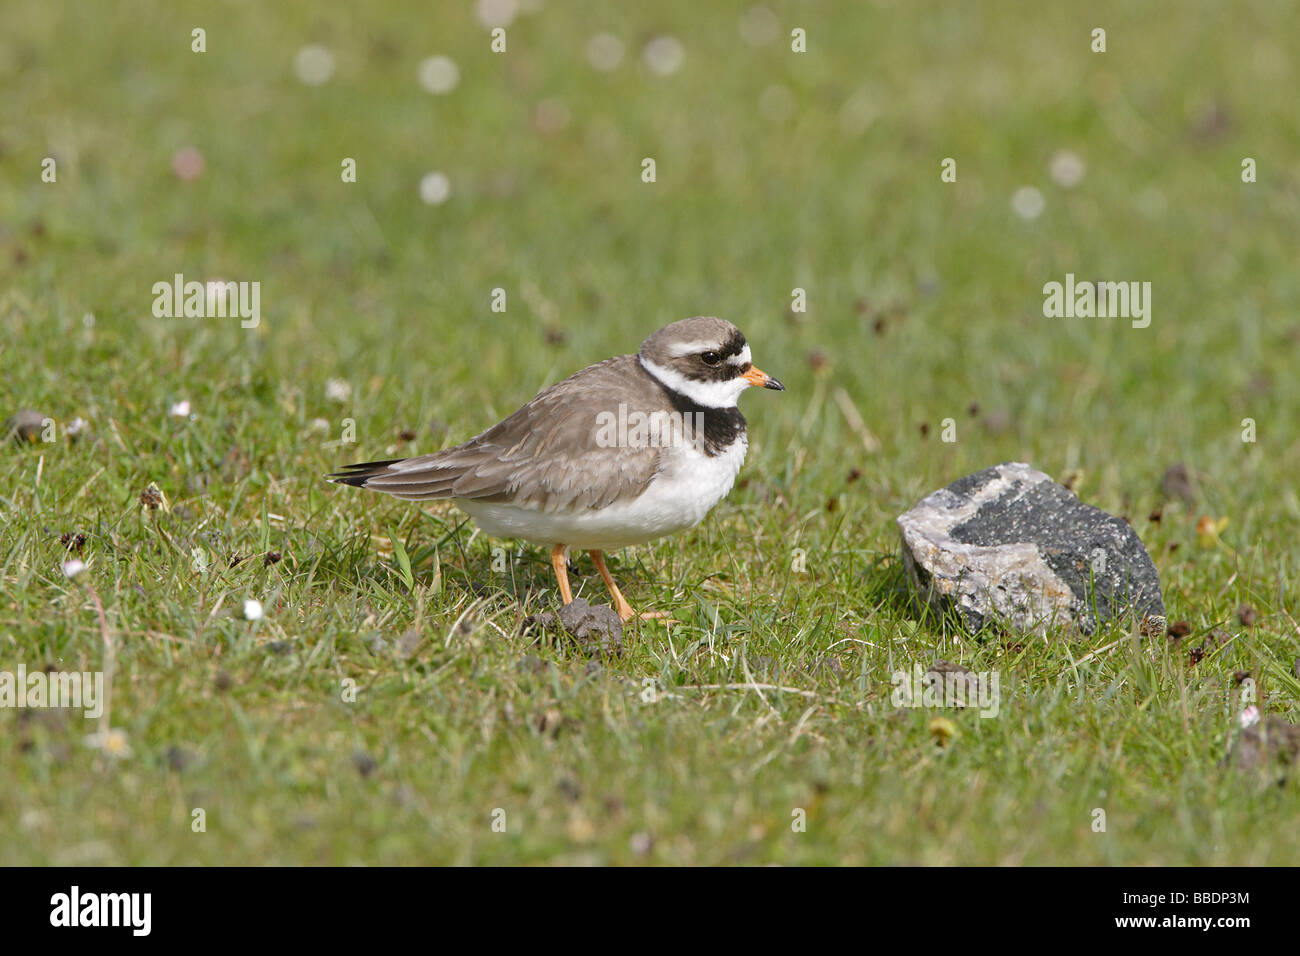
x,y
357,475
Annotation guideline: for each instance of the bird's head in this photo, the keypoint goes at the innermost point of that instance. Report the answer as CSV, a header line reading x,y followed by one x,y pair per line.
x,y
706,359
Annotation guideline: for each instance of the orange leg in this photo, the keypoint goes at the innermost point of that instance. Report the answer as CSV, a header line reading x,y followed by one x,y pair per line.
x,y
620,603
561,573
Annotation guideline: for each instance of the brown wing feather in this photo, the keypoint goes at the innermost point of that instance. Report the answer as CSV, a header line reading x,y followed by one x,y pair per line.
x,y
545,456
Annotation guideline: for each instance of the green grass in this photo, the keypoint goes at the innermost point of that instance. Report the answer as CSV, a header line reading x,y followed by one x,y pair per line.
x,y
773,693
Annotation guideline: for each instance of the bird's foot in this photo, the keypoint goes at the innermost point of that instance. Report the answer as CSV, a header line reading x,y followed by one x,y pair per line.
x,y
626,612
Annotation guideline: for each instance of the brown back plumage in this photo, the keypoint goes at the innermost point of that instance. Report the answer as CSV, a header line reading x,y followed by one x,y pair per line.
x,y
545,456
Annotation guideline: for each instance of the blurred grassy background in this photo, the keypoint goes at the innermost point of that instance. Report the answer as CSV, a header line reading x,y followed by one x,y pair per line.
x,y
775,170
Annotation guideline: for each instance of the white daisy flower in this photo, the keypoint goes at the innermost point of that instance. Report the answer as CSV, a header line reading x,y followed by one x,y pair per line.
x,y
664,55
439,74
338,390
604,52
313,64
496,13
1067,169
1027,202
111,742
435,188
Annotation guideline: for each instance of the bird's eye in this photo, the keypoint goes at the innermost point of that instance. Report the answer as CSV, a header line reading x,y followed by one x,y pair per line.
x,y
711,358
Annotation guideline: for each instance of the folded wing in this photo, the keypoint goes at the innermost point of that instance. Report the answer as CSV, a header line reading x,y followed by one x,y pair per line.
x,y
554,454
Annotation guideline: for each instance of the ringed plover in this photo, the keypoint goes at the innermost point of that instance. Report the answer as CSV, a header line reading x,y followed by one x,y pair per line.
x,y
628,450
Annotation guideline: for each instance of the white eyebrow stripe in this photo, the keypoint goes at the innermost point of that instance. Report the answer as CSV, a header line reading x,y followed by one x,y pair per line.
x,y
687,348
691,348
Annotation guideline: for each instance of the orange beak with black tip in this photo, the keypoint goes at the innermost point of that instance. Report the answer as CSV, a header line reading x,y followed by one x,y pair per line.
x,y
760,379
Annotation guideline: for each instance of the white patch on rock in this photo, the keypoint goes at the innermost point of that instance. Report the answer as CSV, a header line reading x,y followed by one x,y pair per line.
x,y
1009,583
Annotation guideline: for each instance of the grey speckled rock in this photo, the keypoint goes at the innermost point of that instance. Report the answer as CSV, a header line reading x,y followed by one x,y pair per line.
x,y
1010,545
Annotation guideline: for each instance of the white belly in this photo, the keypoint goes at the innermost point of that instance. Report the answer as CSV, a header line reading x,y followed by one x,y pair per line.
x,y
678,498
